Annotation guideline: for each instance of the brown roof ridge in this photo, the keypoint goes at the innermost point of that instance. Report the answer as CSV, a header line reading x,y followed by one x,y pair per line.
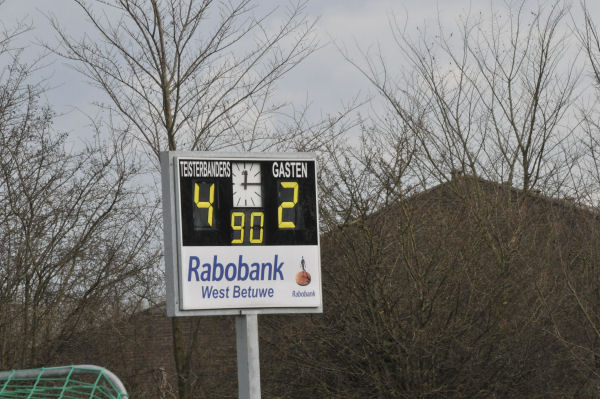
x,y
458,178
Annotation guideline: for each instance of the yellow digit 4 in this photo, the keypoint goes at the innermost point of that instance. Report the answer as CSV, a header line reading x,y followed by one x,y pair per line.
x,y
238,227
205,204
287,205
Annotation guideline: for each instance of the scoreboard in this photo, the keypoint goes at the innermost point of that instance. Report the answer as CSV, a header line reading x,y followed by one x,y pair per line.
x,y
241,233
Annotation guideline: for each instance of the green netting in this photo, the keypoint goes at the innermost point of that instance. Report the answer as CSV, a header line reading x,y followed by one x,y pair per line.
x,y
66,382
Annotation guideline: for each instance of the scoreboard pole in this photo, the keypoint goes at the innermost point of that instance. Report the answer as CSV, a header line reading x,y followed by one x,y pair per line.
x,y
248,362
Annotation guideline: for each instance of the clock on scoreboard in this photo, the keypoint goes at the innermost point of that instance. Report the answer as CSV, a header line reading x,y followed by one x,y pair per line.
x,y
239,228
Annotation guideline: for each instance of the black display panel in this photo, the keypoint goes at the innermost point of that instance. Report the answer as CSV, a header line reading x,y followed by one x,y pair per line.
x,y
232,202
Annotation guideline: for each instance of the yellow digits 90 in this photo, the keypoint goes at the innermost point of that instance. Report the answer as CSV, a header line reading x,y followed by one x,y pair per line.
x,y
238,223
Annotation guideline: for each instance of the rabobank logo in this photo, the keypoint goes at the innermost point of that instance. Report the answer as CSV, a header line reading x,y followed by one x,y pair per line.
x,y
303,277
242,270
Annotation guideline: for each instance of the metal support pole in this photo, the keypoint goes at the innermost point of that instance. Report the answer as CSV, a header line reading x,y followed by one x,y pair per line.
x,y
246,330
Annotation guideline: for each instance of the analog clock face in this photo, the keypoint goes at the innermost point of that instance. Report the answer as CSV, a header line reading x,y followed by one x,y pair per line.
x,y
247,186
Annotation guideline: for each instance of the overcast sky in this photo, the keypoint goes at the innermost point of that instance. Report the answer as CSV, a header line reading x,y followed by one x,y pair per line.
x,y
325,79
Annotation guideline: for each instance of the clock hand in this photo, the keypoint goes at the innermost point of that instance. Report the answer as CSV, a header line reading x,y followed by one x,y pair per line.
x,y
245,183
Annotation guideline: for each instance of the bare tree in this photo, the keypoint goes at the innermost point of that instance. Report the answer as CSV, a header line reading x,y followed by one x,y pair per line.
x,y
489,99
193,75
577,328
74,229
185,74
480,286
589,37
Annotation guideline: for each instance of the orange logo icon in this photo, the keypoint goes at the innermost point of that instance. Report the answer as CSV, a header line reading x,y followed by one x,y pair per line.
x,y
303,277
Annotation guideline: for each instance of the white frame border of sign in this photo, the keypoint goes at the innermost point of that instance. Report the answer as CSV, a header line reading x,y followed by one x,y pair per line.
x,y
172,231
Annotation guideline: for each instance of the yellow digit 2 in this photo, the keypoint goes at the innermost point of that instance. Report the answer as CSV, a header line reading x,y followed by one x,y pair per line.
x,y
254,227
238,227
205,204
287,205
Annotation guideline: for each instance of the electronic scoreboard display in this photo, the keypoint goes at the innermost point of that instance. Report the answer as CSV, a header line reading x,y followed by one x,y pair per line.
x,y
241,233
235,203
